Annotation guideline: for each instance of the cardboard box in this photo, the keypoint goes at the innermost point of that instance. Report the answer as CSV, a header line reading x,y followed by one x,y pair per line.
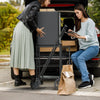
x,y
68,43
72,49
48,49
65,45
47,10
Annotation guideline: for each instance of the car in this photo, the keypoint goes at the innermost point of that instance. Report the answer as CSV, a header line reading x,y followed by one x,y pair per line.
x,y
63,14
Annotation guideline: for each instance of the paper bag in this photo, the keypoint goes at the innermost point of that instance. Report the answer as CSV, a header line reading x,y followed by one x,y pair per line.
x,y
67,83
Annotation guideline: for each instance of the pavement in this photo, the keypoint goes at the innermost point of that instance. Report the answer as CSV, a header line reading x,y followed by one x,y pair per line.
x,y
7,85
48,88
5,57
34,96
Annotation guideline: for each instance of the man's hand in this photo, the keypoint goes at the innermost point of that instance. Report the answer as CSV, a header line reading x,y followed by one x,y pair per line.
x,y
40,32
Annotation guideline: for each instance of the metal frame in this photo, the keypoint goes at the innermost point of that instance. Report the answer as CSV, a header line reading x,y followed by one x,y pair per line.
x,y
50,57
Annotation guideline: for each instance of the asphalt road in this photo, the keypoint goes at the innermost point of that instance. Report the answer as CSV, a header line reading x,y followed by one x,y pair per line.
x,y
7,89
31,96
45,91
5,74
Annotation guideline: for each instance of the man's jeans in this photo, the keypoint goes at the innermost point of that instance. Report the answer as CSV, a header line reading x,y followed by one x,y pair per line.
x,y
80,57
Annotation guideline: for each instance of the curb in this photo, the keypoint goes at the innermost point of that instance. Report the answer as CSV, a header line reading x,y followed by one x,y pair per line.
x,y
7,83
42,91
4,55
50,92
5,64
5,67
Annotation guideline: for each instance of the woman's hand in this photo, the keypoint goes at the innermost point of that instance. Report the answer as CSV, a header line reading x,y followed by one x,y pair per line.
x,y
70,33
75,35
40,32
69,30
79,37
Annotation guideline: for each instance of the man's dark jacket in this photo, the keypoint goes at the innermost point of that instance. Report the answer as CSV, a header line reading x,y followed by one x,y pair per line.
x,y
29,15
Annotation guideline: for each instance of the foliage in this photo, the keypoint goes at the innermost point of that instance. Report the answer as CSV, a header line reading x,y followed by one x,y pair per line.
x,y
94,11
8,21
15,3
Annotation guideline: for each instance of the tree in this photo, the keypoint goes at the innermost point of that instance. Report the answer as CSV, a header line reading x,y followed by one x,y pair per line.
x,y
94,12
15,2
8,21
89,0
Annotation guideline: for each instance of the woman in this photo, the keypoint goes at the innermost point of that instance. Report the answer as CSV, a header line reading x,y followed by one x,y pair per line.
x,y
22,52
88,44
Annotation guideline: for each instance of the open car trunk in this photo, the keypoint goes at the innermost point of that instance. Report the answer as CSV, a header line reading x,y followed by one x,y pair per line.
x,y
65,4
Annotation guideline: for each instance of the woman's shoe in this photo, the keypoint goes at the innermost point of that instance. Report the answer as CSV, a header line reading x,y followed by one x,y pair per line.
x,y
85,84
32,83
18,81
91,77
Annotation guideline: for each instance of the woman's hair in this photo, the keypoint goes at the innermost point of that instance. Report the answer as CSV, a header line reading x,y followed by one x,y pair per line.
x,y
29,1
78,21
42,1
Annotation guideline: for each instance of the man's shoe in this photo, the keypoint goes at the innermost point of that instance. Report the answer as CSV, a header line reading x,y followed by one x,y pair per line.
x,y
85,84
91,77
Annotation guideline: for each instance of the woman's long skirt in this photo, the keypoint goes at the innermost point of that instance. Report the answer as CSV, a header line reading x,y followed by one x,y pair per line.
x,y
22,48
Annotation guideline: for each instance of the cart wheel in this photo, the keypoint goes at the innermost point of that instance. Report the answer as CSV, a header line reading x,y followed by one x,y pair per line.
x,y
36,84
56,83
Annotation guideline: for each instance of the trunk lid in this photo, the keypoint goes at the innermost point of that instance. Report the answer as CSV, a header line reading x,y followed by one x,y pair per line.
x,y
66,4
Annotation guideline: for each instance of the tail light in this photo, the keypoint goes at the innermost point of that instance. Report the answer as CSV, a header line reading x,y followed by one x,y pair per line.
x,y
98,35
61,5
95,58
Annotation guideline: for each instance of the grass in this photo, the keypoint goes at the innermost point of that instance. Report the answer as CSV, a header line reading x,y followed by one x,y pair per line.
x,y
3,60
5,52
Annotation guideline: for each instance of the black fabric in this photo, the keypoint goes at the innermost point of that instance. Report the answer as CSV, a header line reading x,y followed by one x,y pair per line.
x,y
29,15
34,36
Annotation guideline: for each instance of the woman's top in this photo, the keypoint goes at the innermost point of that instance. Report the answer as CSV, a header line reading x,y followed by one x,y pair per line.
x,y
88,30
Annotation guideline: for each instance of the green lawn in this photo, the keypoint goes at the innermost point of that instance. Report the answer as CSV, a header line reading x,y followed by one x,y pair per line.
x,y
5,52
3,60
